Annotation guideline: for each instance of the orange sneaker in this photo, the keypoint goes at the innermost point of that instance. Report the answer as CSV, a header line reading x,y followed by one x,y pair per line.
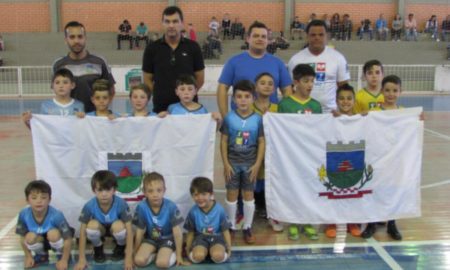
x,y
330,231
354,230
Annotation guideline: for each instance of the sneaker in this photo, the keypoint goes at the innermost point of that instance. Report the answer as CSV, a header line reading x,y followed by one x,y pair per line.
x,y
118,253
393,231
248,237
310,232
276,226
369,231
354,230
41,258
293,232
99,254
330,231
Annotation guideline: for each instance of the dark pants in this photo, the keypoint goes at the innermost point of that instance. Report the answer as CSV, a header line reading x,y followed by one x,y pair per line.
x,y
138,38
124,37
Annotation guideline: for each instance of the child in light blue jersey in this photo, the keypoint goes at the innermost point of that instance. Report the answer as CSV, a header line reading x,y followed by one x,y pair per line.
x,y
106,215
139,97
158,221
207,225
62,104
42,227
101,98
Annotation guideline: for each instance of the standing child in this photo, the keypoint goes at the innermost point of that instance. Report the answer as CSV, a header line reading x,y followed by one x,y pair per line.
x,y
370,97
106,215
139,98
207,225
102,98
301,102
391,89
62,104
158,223
42,227
242,148
262,104
345,100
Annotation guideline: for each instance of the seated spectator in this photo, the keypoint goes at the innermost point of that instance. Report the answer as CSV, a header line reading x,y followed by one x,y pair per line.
x,y
346,28
271,46
312,17
226,26
411,28
281,42
297,27
237,28
335,25
124,34
381,27
432,27
214,25
366,27
141,34
445,28
212,44
397,26
2,43
327,21
192,33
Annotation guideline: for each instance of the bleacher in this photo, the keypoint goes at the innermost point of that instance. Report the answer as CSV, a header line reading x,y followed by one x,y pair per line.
x,y
41,49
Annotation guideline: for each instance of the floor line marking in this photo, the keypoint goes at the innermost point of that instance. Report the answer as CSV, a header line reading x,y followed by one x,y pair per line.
x,y
441,183
437,134
8,227
391,262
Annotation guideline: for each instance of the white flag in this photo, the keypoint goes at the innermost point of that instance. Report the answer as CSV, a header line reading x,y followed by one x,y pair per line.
x,y
321,169
68,151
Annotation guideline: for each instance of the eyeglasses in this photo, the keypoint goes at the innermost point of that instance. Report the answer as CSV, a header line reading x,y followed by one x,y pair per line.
x,y
172,59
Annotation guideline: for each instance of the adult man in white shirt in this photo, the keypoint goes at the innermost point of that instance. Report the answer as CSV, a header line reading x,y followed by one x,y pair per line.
x,y
330,65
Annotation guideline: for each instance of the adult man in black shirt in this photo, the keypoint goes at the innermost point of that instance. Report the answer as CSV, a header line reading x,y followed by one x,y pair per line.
x,y
169,57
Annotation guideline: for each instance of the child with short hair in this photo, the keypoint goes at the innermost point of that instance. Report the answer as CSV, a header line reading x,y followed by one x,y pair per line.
x,y
370,97
207,225
391,87
242,149
42,227
158,221
264,87
345,100
186,90
139,97
106,215
301,102
63,82
101,98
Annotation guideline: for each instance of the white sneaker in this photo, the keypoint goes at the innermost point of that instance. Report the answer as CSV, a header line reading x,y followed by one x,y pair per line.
x,y
276,226
437,40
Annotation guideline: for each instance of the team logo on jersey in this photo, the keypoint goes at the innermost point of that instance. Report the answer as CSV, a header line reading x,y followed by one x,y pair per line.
x,y
321,67
128,170
242,137
320,76
346,172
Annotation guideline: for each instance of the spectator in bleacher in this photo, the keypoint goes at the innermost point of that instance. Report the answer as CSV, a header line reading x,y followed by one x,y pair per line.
x,y
141,34
86,67
411,28
365,28
335,25
271,45
297,27
432,27
445,28
237,28
281,42
381,27
2,43
169,57
213,43
192,33
312,17
247,65
397,26
346,28
226,26
124,34
327,21
214,25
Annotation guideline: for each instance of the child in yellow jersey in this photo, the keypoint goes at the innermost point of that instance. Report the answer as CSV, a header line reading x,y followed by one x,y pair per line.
x,y
370,97
264,89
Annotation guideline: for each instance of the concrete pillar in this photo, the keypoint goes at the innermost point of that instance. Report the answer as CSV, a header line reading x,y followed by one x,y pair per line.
x,y
401,8
289,10
172,2
55,12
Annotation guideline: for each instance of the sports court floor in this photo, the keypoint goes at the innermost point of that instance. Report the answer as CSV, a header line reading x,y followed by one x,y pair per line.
x,y
426,240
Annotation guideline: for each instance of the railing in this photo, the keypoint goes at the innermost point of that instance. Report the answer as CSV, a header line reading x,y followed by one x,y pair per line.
x,y
28,81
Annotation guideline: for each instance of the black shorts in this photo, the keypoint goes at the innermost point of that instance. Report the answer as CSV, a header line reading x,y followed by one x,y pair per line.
x,y
161,243
208,241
